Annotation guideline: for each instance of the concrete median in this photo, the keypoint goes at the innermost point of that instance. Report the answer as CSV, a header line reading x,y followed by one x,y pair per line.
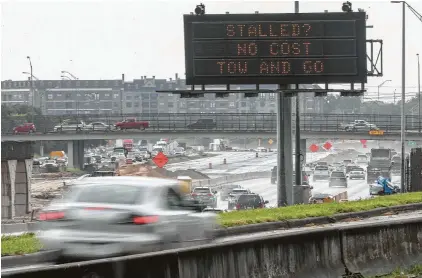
x,y
371,249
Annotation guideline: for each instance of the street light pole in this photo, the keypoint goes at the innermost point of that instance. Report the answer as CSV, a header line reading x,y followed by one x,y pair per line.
x,y
31,90
74,77
380,85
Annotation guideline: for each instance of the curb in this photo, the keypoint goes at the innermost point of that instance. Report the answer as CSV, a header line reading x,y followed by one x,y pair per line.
x,y
296,223
29,259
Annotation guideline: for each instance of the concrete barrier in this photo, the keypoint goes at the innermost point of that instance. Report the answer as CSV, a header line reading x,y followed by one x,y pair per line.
x,y
372,249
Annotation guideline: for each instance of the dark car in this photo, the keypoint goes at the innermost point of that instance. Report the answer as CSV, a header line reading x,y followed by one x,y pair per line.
x,y
227,188
250,201
202,124
234,195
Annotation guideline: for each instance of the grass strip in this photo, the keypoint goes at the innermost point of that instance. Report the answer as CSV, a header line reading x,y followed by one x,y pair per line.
x,y
19,245
414,271
245,217
28,243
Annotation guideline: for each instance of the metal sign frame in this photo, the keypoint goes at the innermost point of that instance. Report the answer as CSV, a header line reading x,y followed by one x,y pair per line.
x,y
359,19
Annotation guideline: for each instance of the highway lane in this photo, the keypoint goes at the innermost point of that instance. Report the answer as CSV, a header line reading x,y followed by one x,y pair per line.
x,y
237,163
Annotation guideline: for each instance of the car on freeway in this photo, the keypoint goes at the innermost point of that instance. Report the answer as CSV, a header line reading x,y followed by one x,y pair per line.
x,y
202,124
234,195
321,173
362,160
97,126
360,125
205,195
69,125
336,166
225,191
24,128
347,162
337,178
352,167
131,123
106,217
250,201
357,173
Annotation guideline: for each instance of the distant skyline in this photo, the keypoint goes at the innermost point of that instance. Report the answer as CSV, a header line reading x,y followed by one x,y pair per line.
x,y
102,40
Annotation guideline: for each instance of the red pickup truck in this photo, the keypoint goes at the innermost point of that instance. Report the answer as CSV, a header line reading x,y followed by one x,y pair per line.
x,y
131,124
25,128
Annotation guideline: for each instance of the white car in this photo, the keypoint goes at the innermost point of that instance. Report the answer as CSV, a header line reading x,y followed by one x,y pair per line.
x,y
357,174
321,173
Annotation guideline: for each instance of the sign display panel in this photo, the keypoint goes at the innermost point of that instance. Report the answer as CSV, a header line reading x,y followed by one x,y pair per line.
x,y
275,48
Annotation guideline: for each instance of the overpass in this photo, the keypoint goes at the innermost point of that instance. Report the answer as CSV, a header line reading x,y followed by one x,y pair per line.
x,y
230,126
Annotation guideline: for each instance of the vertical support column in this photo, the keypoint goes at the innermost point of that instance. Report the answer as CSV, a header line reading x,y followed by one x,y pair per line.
x,y
28,166
11,165
41,149
303,150
281,175
288,148
80,153
70,157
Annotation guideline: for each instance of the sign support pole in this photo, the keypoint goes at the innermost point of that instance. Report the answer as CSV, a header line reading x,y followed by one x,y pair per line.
x,y
281,173
298,177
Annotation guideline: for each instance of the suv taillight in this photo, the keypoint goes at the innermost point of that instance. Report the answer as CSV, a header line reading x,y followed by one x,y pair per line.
x,y
237,206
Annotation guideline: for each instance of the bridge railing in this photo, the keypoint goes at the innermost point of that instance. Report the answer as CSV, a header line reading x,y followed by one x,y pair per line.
x,y
224,122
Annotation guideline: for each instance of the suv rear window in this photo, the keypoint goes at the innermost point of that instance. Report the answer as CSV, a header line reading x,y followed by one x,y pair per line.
x,y
337,174
321,168
109,194
249,199
244,191
201,190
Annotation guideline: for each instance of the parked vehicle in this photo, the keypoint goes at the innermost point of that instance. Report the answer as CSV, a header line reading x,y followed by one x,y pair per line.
x,y
202,124
131,123
112,216
24,128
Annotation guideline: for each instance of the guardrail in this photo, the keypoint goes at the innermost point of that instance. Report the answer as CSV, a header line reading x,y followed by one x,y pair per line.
x,y
352,250
223,122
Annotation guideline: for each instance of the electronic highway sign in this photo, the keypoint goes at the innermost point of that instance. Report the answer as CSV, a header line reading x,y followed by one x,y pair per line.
x,y
275,48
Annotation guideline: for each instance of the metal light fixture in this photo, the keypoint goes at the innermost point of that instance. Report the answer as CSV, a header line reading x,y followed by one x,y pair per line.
x,y
200,9
347,7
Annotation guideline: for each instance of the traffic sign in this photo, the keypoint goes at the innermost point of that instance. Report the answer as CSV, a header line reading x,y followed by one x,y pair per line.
x,y
314,148
160,160
411,143
376,132
327,145
363,141
270,141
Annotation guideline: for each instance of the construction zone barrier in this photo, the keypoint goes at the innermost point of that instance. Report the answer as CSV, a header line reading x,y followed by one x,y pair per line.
x,y
341,197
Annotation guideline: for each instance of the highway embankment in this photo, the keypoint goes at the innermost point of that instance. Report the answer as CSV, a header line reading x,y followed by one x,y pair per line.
x,y
369,249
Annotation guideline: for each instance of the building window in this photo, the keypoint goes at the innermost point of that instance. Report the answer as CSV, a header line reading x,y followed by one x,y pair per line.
x,y
243,104
212,104
128,97
231,104
128,104
136,104
170,105
50,96
115,95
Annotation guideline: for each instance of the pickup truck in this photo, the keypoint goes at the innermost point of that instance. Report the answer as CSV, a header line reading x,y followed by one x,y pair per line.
x,y
131,124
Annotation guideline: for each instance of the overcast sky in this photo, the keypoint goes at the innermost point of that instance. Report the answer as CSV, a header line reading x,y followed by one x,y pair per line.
x,y
102,40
